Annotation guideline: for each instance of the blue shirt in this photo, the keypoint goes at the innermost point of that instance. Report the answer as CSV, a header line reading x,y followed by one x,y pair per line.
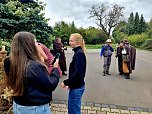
x,y
103,49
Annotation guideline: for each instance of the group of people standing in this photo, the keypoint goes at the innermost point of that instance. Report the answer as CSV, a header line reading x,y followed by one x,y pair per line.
x,y
31,76
126,54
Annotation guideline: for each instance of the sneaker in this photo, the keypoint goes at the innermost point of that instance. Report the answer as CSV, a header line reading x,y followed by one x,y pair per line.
x,y
120,73
103,75
126,78
108,74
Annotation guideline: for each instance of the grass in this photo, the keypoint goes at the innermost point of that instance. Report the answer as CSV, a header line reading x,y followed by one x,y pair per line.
x,y
97,46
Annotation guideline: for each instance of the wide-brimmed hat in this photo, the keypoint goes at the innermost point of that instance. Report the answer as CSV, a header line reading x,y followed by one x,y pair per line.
x,y
108,41
126,41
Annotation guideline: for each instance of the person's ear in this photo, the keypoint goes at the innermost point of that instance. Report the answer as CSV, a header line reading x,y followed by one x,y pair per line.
x,y
77,42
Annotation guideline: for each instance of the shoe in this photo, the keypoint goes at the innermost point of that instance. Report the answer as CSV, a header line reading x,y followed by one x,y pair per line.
x,y
108,74
120,73
103,75
126,78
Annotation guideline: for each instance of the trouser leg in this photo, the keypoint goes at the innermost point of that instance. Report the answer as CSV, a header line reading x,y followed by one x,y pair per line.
x,y
74,100
105,66
120,69
108,64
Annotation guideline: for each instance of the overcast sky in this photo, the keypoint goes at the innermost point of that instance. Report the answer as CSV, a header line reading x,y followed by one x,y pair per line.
x,y
77,10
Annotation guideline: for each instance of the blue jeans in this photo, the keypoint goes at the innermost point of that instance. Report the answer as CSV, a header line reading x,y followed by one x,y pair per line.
x,y
42,109
74,100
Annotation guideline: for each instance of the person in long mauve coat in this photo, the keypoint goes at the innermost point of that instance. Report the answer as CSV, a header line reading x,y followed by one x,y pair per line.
x,y
59,48
132,58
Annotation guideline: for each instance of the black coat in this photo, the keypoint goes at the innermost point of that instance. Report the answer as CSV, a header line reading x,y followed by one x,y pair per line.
x,y
77,69
38,85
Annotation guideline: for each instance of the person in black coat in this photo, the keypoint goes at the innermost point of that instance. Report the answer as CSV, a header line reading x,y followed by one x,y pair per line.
x,y
77,71
119,55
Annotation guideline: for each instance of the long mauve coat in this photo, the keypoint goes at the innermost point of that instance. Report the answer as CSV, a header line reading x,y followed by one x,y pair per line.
x,y
132,55
58,48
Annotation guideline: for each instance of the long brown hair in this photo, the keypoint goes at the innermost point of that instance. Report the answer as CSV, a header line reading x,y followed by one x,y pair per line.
x,y
23,49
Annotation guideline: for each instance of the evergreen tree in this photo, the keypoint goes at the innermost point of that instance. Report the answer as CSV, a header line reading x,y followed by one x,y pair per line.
x,y
143,25
130,25
73,28
136,24
23,15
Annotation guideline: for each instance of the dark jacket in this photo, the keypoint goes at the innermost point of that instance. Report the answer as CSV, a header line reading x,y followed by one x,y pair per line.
x,y
62,59
38,85
77,69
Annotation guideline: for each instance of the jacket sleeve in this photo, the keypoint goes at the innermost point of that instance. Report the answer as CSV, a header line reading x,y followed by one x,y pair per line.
x,y
40,77
111,49
7,64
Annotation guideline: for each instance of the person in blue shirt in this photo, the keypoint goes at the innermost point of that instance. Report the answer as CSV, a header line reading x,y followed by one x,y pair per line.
x,y
106,52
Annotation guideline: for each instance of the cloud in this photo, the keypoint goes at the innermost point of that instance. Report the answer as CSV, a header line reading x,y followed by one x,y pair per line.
x,y
78,10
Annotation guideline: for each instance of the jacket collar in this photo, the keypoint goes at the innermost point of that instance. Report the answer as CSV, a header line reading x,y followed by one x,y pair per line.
x,y
76,48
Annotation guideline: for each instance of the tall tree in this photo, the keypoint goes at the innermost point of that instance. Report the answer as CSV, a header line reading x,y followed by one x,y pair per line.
x,y
107,17
136,24
61,29
143,25
64,30
130,25
73,28
23,15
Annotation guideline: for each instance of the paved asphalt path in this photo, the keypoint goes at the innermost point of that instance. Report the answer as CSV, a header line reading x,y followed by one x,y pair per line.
x,y
136,92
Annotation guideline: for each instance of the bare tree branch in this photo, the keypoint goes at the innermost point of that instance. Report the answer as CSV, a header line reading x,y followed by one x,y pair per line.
x,y
107,17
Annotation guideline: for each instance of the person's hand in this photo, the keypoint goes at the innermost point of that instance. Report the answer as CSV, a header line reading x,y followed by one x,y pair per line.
x,y
56,64
62,85
65,48
66,87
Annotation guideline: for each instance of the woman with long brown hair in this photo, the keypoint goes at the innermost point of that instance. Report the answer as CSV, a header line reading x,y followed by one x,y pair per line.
x,y
28,77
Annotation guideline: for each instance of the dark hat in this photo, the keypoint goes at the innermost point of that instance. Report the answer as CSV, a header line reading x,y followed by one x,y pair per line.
x,y
126,41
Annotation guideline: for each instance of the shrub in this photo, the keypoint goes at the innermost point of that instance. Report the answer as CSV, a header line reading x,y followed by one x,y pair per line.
x,y
147,45
137,40
7,44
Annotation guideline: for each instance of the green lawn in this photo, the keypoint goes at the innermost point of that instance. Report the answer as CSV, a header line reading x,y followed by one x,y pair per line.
x,y
97,46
